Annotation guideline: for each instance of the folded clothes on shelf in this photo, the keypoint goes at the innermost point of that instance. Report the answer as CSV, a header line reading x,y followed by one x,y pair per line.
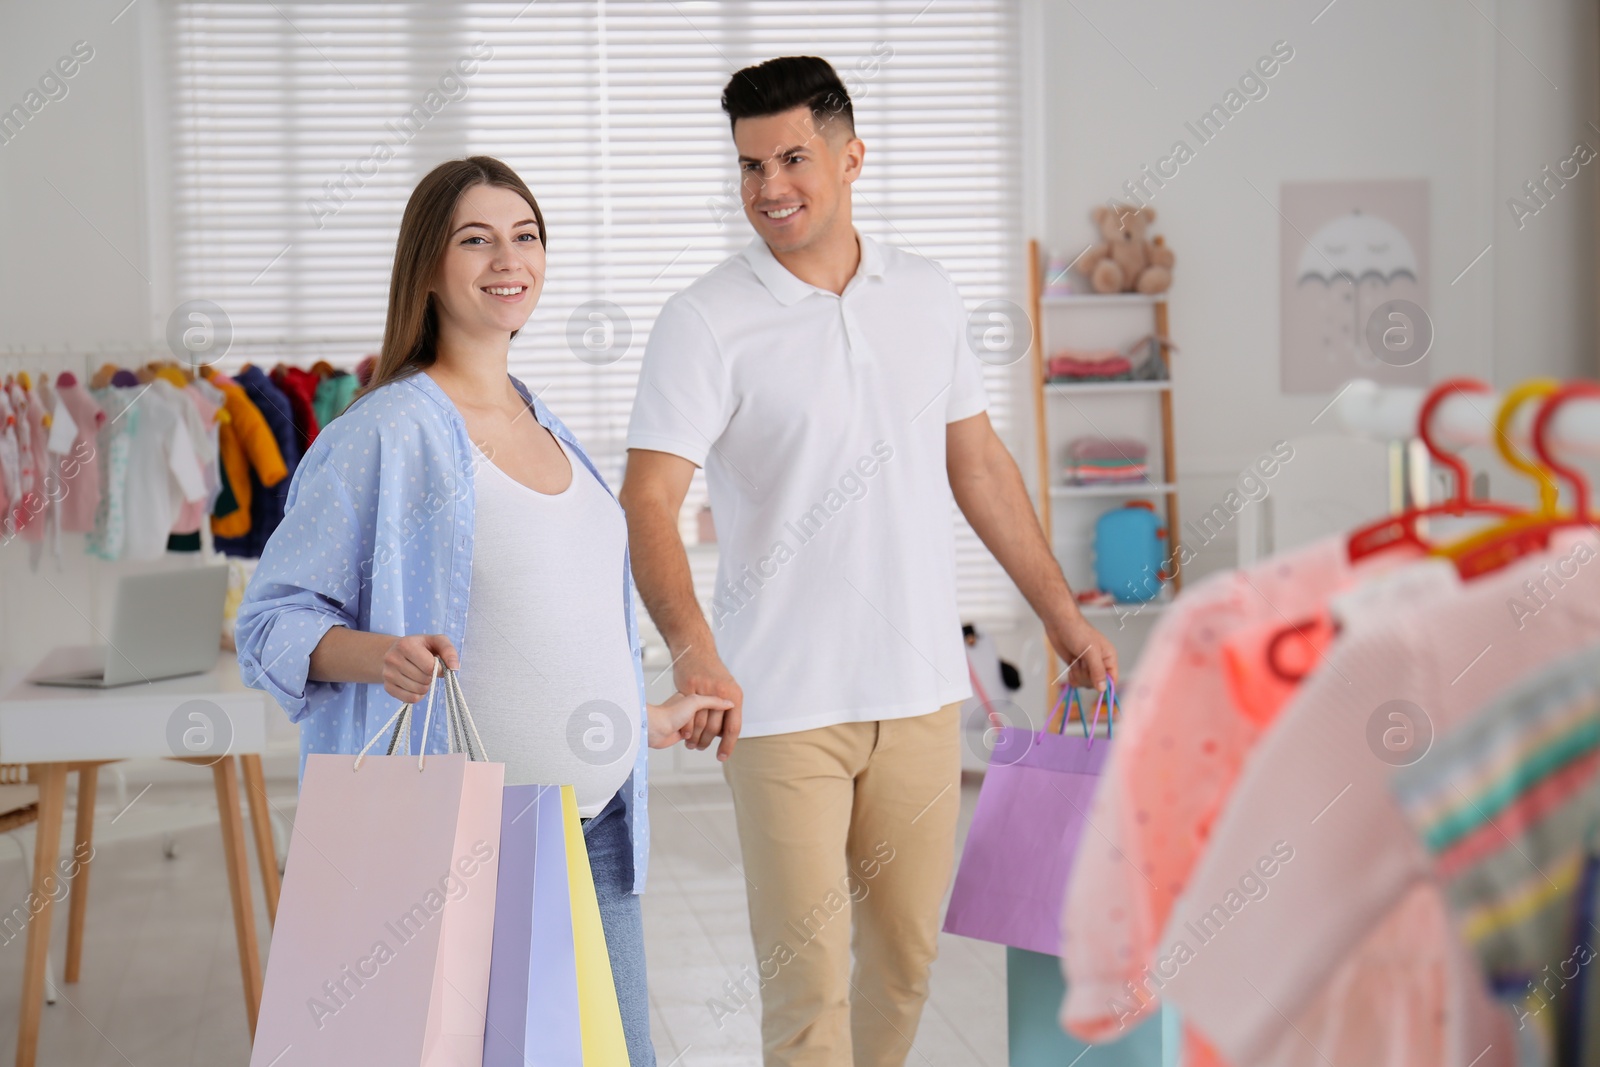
x,y
1090,475
1140,361
1102,460
1098,364
1091,449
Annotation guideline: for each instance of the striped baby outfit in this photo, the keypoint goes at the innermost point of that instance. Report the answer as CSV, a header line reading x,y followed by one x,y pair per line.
x,y
1508,806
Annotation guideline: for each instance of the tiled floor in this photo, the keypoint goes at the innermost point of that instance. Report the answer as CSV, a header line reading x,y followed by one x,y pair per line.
x,y
160,983
698,938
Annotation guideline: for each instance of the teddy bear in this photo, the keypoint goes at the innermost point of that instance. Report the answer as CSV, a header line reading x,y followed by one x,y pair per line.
x,y
1124,261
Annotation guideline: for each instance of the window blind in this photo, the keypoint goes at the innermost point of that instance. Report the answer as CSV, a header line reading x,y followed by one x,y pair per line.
x,y
299,129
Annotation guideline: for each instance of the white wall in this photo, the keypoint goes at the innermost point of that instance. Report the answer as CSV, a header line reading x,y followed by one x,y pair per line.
x,y
73,193
76,264
1544,268
1374,90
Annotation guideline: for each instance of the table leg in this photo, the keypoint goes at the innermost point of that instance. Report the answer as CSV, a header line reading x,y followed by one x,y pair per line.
x,y
225,772
51,778
82,853
255,787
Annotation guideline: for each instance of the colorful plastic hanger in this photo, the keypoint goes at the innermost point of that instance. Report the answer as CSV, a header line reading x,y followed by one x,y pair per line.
x,y
1519,535
1401,529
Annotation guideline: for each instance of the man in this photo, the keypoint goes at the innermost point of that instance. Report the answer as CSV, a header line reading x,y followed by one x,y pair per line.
x,y
825,383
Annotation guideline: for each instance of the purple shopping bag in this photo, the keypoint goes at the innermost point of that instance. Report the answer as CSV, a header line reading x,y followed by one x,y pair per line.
x,y
533,1015
1024,835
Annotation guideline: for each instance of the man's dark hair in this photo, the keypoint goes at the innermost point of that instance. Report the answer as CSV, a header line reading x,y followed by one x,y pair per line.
x,y
785,83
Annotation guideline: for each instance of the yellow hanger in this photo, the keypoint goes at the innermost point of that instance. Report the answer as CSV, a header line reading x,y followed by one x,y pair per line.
x,y
1542,476
1533,389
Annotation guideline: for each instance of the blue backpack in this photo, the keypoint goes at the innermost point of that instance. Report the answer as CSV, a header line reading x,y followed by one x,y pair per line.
x,y
1130,548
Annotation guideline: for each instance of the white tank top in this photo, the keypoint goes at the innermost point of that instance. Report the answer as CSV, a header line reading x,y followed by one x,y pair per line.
x,y
545,664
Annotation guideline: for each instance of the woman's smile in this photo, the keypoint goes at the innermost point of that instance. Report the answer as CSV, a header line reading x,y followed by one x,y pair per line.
x,y
508,294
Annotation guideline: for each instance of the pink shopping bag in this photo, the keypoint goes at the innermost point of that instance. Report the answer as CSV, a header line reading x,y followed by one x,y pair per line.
x,y
381,949
1031,810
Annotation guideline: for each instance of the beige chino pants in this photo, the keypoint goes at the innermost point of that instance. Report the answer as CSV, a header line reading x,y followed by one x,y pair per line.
x,y
848,836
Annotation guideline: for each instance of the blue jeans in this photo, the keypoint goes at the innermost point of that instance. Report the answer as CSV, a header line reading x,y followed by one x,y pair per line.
x,y
611,861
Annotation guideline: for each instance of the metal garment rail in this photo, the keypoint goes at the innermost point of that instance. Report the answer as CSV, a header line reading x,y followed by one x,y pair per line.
x,y
1389,413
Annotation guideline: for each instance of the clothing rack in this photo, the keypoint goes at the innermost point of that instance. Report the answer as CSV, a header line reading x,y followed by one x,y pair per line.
x,y
15,357
1388,413
226,475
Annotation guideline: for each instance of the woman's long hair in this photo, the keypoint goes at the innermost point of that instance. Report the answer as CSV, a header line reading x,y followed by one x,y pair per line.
x,y
411,331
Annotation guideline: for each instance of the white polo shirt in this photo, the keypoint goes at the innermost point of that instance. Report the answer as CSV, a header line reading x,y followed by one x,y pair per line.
x,y
820,421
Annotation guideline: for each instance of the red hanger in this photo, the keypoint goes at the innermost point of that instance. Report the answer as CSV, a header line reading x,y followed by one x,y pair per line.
x,y
1541,427
1402,529
1530,537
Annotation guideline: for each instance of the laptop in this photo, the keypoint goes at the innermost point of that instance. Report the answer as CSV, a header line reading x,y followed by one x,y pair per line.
x,y
165,624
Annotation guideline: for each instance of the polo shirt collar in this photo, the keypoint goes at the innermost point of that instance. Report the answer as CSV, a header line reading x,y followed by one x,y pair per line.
x,y
787,288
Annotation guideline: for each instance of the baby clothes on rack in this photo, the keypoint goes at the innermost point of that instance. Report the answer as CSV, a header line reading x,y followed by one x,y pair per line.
x,y
1179,754
167,475
10,466
335,390
1420,649
154,447
266,501
57,434
115,444
1265,664
12,513
1506,806
221,500
199,414
80,470
29,510
300,388
250,456
139,459
293,404
31,424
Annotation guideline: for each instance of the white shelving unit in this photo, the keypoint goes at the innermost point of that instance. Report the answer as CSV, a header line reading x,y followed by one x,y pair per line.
x,y
1058,318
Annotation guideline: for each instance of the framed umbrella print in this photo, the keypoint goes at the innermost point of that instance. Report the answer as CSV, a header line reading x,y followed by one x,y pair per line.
x,y
1354,283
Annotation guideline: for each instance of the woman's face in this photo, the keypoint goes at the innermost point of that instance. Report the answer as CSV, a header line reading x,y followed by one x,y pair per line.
x,y
493,266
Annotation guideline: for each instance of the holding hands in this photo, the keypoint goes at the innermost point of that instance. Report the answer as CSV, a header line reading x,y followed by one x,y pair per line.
x,y
700,670
406,666
674,720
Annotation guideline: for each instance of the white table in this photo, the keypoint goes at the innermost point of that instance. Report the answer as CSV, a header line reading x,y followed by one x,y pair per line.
x,y
56,731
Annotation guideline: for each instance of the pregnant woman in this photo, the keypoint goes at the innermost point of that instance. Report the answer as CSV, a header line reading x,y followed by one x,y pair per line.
x,y
447,513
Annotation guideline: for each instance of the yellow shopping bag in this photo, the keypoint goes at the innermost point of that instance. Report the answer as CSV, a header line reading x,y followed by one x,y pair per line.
x,y
599,1015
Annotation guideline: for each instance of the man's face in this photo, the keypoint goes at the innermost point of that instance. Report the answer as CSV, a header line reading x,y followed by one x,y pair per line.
x,y
795,175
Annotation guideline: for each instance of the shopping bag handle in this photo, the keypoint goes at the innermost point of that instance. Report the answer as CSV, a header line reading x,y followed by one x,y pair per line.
x,y
466,728
401,721
1111,691
458,722
1069,697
